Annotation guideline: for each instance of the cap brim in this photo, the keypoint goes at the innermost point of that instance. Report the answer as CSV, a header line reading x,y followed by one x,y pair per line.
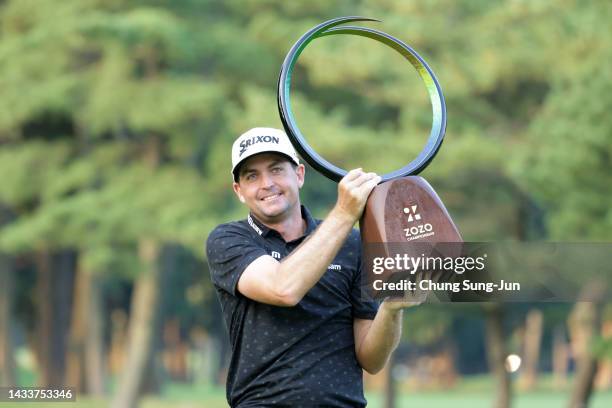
x,y
236,171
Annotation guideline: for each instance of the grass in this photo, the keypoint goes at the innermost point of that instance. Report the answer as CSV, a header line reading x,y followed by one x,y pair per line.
x,y
458,399
181,396
471,392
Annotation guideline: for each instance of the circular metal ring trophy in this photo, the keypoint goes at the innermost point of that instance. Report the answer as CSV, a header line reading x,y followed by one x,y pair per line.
x,y
404,207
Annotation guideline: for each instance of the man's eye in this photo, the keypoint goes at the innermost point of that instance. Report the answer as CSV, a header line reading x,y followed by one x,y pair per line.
x,y
250,177
276,170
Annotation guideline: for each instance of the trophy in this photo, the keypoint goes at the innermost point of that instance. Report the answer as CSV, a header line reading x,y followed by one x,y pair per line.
x,y
403,208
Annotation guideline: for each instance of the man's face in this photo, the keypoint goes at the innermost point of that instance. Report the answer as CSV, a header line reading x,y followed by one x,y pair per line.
x,y
269,185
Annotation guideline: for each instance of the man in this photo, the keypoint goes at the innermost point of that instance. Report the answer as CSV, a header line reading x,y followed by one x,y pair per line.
x,y
288,285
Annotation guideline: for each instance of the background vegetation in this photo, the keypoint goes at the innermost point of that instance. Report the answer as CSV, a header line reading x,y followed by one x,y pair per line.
x,y
116,122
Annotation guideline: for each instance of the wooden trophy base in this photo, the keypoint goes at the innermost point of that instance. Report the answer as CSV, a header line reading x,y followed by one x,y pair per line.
x,y
404,210
405,217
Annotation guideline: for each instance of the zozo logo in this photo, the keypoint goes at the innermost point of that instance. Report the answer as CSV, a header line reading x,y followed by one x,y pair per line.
x,y
418,229
412,213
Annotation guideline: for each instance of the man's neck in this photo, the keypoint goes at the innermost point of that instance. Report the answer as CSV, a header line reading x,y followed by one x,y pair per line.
x,y
291,228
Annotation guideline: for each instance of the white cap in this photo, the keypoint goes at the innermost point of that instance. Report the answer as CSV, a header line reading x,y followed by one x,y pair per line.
x,y
260,140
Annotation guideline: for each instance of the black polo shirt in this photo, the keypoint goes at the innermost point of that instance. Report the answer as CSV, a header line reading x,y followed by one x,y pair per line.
x,y
289,356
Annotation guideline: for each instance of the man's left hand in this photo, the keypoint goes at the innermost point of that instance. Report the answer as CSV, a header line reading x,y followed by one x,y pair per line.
x,y
411,297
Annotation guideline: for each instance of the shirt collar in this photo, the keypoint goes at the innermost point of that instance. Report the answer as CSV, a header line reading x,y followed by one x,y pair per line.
x,y
263,230
311,224
257,226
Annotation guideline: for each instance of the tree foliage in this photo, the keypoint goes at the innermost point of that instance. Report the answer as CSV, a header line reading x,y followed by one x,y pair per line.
x,y
117,117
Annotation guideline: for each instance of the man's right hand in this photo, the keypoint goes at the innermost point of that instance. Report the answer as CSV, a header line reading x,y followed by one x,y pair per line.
x,y
285,283
353,192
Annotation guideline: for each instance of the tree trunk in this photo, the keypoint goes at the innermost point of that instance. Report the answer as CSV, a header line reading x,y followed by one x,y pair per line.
x,y
118,343
94,339
175,350
222,344
143,320
86,351
44,318
496,351
533,337
7,357
603,380
55,279
560,358
390,385
75,370
585,323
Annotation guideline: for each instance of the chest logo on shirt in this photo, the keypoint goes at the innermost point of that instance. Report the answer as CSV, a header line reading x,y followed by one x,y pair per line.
x,y
275,255
335,267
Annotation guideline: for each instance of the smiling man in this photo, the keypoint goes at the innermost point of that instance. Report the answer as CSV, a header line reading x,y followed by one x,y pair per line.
x,y
289,286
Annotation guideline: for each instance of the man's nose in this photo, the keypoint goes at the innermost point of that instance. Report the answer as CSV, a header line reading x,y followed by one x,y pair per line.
x,y
266,180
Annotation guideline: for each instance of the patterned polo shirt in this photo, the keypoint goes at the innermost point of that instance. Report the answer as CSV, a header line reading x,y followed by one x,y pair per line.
x,y
289,356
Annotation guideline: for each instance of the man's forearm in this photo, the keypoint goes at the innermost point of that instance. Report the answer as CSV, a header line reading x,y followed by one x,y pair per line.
x,y
381,339
303,268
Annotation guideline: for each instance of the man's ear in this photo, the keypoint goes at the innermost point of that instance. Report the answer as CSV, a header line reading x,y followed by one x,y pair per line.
x,y
236,188
300,170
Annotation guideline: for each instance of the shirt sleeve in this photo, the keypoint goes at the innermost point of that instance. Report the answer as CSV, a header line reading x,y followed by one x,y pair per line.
x,y
229,251
364,306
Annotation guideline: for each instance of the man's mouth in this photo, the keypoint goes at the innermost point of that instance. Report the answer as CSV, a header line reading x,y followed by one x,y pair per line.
x,y
271,197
